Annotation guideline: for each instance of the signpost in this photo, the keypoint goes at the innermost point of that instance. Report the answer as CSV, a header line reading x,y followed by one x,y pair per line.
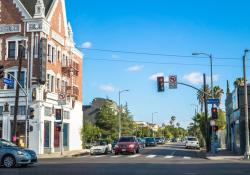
x,y
172,81
59,115
213,101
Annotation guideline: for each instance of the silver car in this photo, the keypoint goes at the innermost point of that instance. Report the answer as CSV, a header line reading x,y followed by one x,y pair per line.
x,y
11,155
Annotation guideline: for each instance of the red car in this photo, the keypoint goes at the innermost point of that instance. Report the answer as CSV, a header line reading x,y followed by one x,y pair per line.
x,y
128,144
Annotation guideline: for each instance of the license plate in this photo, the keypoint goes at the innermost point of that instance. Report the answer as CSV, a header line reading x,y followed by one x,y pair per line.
x,y
123,150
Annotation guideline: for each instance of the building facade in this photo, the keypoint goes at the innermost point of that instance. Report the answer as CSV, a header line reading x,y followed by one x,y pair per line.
x,y
90,111
235,114
51,66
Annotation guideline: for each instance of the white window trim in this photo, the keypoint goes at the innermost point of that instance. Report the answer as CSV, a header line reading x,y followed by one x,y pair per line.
x,y
16,51
15,70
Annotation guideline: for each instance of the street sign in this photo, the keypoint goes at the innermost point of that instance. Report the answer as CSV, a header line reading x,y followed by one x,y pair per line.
x,y
213,101
8,81
172,79
61,99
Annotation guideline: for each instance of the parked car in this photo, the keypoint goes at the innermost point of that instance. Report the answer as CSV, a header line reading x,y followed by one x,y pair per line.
x,y
150,141
11,155
100,147
192,142
128,144
141,143
114,142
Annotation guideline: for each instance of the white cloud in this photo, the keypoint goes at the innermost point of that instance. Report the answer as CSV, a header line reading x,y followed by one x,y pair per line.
x,y
114,56
154,76
86,45
107,87
197,78
193,78
135,68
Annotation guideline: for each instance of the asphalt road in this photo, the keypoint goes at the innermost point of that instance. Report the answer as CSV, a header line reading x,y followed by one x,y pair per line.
x,y
171,159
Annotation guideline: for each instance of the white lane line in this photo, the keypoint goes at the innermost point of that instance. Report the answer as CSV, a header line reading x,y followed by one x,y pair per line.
x,y
98,156
133,156
116,156
168,157
186,157
150,156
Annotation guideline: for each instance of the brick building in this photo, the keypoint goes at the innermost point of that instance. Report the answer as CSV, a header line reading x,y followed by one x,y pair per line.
x,y
52,66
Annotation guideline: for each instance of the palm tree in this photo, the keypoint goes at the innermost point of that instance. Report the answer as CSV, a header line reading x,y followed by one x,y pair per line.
x,y
178,124
173,118
239,82
218,92
200,96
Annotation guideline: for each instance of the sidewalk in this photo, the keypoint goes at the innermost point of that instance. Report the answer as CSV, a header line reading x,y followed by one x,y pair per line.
x,y
223,155
75,153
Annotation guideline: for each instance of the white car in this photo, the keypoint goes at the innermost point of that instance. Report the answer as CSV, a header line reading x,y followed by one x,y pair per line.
x,y
100,147
192,142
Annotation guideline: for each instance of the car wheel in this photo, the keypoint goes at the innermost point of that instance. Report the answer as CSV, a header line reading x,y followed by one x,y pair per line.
x,y
138,150
106,151
9,161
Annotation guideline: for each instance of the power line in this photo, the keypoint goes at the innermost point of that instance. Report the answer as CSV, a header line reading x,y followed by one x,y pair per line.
x,y
157,54
159,63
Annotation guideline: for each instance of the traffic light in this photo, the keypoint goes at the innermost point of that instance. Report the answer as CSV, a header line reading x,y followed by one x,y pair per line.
x,y
160,84
31,113
214,112
1,71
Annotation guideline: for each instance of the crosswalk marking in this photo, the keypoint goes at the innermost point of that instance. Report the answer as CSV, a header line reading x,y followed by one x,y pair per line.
x,y
133,156
168,157
151,156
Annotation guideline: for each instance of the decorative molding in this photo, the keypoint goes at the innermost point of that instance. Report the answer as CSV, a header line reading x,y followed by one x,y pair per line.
x,y
58,38
1,49
38,26
10,28
22,9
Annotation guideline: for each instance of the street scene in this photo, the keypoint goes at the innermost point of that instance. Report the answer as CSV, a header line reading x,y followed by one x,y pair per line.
x,y
124,87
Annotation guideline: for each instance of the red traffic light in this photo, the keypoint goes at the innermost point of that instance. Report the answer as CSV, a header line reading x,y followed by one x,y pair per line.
x,y
160,84
214,112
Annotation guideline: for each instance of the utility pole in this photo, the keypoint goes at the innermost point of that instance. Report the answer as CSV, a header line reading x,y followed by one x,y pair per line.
x,y
247,154
119,112
207,137
21,51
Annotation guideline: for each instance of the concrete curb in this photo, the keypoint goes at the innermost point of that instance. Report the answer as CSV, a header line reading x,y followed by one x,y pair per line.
x,y
65,155
225,157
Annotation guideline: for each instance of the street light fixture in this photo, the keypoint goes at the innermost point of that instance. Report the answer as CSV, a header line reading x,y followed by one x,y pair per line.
x,y
212,89
119,113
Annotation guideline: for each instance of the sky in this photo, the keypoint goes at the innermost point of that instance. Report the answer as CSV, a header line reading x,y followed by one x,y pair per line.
x,y
169,27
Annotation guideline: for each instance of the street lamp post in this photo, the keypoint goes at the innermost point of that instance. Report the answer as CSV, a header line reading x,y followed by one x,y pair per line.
x,y
247,153
153,121
119,113
212,89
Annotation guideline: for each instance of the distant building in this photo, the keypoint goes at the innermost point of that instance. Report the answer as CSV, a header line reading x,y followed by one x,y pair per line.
x,y
236,119
90,111
141,124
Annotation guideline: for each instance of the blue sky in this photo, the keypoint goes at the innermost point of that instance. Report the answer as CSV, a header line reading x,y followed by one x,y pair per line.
x,y
158,26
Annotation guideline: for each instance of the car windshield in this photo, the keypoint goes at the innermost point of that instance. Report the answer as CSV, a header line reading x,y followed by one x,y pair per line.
x,y
6,143
150,139
157,138
126,139
99,143
192,139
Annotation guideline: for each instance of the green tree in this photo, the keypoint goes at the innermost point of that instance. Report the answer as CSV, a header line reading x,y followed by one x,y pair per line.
x,y
128,125
218,92
107,121
221,121
90,132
